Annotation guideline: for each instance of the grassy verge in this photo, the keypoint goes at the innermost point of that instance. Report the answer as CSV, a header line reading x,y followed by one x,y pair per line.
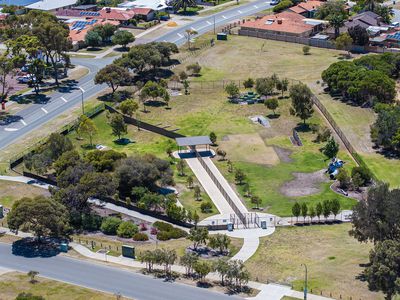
x,y
11,191
11,284
333,259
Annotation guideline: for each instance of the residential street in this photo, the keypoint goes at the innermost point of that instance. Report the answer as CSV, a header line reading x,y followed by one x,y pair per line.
x,y
105,278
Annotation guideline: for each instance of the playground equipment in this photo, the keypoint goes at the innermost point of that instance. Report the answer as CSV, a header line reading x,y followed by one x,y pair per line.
x,y
248,98
334,166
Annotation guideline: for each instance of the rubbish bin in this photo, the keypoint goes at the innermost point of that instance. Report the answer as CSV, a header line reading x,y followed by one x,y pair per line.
x,y
222,36
230,227
1,212
264,224
64,247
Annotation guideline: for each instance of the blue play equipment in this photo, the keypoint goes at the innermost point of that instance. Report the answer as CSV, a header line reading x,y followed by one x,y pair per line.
x,y
334,166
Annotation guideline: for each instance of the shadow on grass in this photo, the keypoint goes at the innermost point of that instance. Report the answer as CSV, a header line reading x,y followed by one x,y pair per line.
x,y
301,127
273,116
31,247
123,141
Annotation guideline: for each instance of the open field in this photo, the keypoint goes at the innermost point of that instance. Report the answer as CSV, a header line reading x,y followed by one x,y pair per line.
x,y
333,259
11,284
11,191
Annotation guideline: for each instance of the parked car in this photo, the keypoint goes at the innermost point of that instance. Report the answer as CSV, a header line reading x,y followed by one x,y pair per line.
x,y
275,2
25,79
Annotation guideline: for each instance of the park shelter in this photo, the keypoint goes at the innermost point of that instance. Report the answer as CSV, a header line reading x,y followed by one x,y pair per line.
x,y
193,141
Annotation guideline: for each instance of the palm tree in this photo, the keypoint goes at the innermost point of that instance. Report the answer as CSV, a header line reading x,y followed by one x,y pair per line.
x,y
336,21
183,4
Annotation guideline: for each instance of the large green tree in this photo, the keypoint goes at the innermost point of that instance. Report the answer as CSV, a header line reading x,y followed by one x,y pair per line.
x,y
113,75
302,103
183,4
123,38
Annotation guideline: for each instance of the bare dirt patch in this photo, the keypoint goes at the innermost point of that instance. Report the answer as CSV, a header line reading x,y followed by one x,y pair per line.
x,y
304,184
249,148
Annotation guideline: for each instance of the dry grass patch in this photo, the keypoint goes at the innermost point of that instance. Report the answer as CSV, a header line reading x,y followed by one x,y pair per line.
x,y
11,191
333,259
249,148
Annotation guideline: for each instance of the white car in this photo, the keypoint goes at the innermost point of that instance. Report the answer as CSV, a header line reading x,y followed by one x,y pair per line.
x,y
25,79
275,2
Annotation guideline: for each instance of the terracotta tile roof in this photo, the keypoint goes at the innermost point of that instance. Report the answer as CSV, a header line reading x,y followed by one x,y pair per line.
x,y
79,35
310,5
286,21
297,9
116,14
142,11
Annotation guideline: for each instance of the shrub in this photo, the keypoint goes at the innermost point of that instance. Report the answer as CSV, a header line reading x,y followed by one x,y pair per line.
x,y
127,229
153,231
91,222
162,226
110,225
206,207
282,5
177,233
163,236
363,173
143,227
306,50
140,236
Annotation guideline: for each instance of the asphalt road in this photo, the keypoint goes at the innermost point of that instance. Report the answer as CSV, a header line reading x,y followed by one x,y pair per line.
x,y
105,278
31,118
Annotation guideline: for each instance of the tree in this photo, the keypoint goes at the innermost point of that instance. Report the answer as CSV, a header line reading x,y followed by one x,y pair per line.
x,y
256,200
198,236
32,274
127,229
304,210
148,258
240,177
248,83
306,50
359,35
189,33
128,107
383,271
357,181
344,42
318,210
123,38
152,90
326,209
7,67
272,104
118,125
343,178
296,210
113,75
265,86
206,207
336,21
364,174
213,137
202,268
189,181
93,39
331,148
220,242
189,260
194,69
232,90
87,127
301,101
282,5
329,8
110,225
183,4
180,166
43,216
312,213
335,207
186,86
105,31
282,85
221,153
183,75
197,192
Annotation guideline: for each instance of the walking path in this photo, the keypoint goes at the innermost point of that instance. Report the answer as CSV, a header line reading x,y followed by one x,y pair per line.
x,y
27,180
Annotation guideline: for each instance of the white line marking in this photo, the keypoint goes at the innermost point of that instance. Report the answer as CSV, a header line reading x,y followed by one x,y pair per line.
x,y
239,11
267,2
255,6
23,122
45,111
194,29
180,35
209,23
224,17
63,99
10,129
82,89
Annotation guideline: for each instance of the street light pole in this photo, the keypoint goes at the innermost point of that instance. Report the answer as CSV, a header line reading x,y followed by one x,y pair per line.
x,y
214,24
305,281
82,91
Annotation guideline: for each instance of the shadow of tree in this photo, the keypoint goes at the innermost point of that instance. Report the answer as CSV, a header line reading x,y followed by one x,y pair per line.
x,y
31,247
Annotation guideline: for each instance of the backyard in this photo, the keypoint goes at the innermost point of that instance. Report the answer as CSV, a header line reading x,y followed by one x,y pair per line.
x,y
333,258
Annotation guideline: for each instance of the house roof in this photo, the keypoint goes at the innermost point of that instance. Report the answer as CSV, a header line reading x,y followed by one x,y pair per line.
x,y
193,141
107,14
78,29
51,4
286,21
297,9
142,11
306,6
152,4
17,2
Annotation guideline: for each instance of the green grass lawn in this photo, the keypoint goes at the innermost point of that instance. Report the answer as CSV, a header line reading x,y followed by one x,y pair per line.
x,y
11,284
333,259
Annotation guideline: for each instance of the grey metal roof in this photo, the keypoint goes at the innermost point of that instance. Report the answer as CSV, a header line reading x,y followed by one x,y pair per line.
x,y
193,141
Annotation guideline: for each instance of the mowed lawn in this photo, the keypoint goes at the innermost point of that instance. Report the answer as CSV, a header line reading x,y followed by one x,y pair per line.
x,y
11,284
333,259
12,191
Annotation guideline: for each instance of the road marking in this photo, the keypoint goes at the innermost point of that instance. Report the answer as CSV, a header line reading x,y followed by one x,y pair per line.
x,y
194,29
63,99
209,23
45,111
224,17
23,122
239,11
10,129
267,2
81,89
180,35
255,6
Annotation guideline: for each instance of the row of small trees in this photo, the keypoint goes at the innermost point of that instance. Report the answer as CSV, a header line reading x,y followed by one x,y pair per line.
x,y
326,208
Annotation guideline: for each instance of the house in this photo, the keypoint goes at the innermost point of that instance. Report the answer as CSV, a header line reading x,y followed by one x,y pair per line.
x,y
285,23
86,7
155,5
146,14
52,5
306,9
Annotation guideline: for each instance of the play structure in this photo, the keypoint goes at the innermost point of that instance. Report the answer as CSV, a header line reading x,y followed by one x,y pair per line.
x,y
334,166
248,98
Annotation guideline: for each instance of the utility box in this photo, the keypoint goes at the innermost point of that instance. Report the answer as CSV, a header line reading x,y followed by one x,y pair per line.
x,y
222,36
64,247
230,227
1,212
128,251
264,224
